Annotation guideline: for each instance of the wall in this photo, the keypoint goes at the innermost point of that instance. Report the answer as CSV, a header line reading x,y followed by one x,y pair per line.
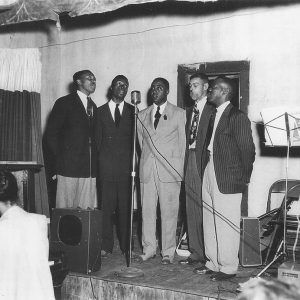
x,y
146,47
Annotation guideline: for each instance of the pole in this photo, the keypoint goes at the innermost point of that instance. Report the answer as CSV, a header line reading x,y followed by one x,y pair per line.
x,y
130,272
133,173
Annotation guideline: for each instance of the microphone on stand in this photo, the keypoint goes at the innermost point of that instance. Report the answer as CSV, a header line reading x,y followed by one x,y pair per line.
x,y
135,97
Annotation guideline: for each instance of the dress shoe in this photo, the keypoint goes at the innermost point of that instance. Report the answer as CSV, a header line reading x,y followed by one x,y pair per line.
x,y
166,260
189,261
145,257
105,254
203,270
220,276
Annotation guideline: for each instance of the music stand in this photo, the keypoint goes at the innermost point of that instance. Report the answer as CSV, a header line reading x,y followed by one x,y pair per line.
x,y
278,129
130,272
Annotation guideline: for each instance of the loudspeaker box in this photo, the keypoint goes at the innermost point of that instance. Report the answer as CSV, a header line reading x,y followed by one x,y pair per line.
x,y
250,254
77,233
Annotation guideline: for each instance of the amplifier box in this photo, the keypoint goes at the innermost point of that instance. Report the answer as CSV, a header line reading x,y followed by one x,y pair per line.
x,y
289,272
250,253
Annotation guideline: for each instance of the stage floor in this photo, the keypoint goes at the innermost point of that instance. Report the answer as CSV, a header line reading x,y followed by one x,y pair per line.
x,y
159,282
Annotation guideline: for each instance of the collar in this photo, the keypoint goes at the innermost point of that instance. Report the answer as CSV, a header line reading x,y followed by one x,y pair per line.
x,y
201,102
222,107
82,95
161,109
112,105
10,211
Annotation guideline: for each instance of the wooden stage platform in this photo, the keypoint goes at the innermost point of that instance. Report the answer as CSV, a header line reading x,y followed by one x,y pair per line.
x,y
160,282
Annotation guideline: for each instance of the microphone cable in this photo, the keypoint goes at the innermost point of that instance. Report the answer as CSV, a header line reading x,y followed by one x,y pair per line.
x,y
238,229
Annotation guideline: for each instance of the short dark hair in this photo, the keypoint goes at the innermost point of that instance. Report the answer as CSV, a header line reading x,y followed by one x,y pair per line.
x,y
79,74
200,75
8,187
229,84
119,77
163,80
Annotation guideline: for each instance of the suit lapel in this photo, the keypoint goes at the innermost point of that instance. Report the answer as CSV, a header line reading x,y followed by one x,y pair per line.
x,y
80,104
149,120
189,113
165,118
108,115
203,124
222,125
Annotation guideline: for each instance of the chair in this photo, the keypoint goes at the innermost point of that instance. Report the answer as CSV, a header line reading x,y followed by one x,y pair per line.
x,y
272,222
279,186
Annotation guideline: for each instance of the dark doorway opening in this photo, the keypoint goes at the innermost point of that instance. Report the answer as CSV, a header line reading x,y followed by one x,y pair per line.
x,y
238,71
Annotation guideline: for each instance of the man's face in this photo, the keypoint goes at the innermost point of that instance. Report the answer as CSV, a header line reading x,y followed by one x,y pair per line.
x,y
119,90
215,93
87,83
198,88
159,92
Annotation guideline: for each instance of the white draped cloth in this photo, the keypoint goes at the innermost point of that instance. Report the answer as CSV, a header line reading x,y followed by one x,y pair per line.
x,y
24,248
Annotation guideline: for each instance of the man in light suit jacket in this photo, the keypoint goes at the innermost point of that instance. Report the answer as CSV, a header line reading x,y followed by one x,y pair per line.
x,y
161,133
70,137
226,177
198,117
114,135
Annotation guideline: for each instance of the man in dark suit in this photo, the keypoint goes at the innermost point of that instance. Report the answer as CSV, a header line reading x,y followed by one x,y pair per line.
x,y
114,134
162,140
69,135
226,177
198,118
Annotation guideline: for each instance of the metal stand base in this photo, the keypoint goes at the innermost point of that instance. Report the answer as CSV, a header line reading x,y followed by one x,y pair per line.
x,y
129,272
276,257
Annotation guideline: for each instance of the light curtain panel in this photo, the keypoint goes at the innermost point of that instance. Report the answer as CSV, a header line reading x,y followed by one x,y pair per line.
x,y
20,115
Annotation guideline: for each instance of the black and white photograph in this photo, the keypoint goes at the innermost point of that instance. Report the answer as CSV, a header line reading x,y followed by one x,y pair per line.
x,y
149,150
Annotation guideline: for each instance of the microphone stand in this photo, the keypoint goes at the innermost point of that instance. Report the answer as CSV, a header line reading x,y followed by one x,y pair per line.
x,y
131,272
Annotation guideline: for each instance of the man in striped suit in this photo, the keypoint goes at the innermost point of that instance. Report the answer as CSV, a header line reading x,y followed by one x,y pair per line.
x,y
226,176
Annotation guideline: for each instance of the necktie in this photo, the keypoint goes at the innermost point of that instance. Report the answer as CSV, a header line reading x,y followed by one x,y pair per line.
x,y
156,117
89,107
117,115
210,128
194,125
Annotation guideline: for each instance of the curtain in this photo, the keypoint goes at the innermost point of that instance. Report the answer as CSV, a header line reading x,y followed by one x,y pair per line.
x,y
20,115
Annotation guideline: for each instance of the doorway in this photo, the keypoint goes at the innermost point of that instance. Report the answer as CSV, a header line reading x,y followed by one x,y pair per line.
x,y
238,71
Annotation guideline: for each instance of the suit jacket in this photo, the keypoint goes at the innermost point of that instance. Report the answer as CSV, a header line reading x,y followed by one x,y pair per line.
x,y
201,153
233,151
114,144
165,144
67,135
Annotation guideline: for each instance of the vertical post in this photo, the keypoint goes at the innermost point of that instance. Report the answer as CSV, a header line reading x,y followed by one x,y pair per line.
x,y
288,142
133,173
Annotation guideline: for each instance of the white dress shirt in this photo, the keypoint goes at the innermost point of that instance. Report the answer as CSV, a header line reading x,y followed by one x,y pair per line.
x,y
200,106
112,106
219,113
83,98
161,110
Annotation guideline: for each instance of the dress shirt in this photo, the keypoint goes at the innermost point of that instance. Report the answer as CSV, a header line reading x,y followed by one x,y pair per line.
x,y
219,113
161,110
200,106
112,106
83,98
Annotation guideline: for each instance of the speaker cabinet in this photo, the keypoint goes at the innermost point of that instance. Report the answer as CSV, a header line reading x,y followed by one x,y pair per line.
x,y
250,254
77,233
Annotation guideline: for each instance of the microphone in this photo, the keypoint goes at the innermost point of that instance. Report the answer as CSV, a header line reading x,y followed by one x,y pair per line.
x,y
135,97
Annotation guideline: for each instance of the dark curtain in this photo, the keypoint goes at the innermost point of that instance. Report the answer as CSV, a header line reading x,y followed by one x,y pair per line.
x,y
20,137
